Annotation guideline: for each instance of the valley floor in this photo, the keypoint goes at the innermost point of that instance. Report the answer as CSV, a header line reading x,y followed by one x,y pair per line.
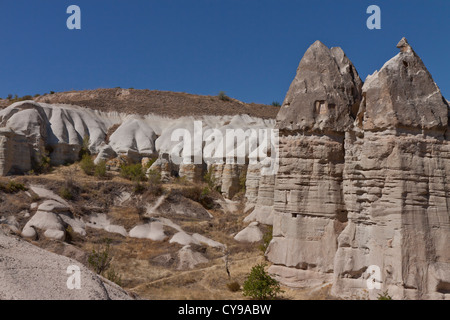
x,y
150,269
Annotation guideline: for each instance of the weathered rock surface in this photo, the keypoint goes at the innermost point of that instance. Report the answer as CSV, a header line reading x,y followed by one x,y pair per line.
x,y
395,185
325,93
188,258
30,273
369,193
308,202
251,233
153,231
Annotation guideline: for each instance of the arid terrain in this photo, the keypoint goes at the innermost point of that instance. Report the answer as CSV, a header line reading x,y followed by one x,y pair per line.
x,y
142,264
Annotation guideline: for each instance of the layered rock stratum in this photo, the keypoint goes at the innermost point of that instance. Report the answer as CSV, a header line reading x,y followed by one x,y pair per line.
x,y
367,192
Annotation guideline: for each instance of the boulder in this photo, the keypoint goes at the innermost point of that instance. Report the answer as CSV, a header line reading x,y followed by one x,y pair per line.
x,y
153,231
30,273
189,259
251,233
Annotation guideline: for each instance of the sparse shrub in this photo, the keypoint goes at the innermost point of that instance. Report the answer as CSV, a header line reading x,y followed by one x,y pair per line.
x,y
267,237
85,147
210,179
65,193
182,181
223,96
260,285
133,172
44,165
276,104
100,260
233,286
69,234
100,169
138,187
13,187
154,183
113,276
199,195
242,180
384,296
52,92
9,97
87,165
69,189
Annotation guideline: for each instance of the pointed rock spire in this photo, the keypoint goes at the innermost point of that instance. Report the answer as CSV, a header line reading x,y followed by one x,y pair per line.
x,y
325,93
403,94
403,45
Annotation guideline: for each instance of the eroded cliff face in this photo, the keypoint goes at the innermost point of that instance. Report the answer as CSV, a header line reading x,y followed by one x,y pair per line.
x,y
372,196
396,185
308,199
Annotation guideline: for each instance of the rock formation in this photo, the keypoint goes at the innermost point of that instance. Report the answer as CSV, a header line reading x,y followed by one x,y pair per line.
x,y
30,273
308,202
31,131
362,184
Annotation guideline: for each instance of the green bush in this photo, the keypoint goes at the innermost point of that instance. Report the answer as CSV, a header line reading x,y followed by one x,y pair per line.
x,y
100,169
133,172
13,187
260,285
100,260
87,165
276,104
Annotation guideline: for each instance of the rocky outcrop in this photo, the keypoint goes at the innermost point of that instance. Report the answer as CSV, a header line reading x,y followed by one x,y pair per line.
x,y
30,273
15,152
366,189
184,147
324,95
396,185
308,203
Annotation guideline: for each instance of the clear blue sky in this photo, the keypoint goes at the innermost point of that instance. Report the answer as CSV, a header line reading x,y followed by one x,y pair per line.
x,y
248,48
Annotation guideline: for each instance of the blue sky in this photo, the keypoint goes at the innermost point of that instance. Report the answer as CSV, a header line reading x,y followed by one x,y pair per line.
x,y
248,48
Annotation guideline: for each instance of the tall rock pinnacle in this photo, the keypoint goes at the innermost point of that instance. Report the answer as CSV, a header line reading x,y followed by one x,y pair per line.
x,y
403,93
325,93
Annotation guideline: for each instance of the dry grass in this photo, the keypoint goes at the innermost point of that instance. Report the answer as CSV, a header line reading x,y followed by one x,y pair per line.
x,y
171,104
138,261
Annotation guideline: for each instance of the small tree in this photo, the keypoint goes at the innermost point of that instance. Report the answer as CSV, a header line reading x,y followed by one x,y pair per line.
x,y
259,285
100,259
276,104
